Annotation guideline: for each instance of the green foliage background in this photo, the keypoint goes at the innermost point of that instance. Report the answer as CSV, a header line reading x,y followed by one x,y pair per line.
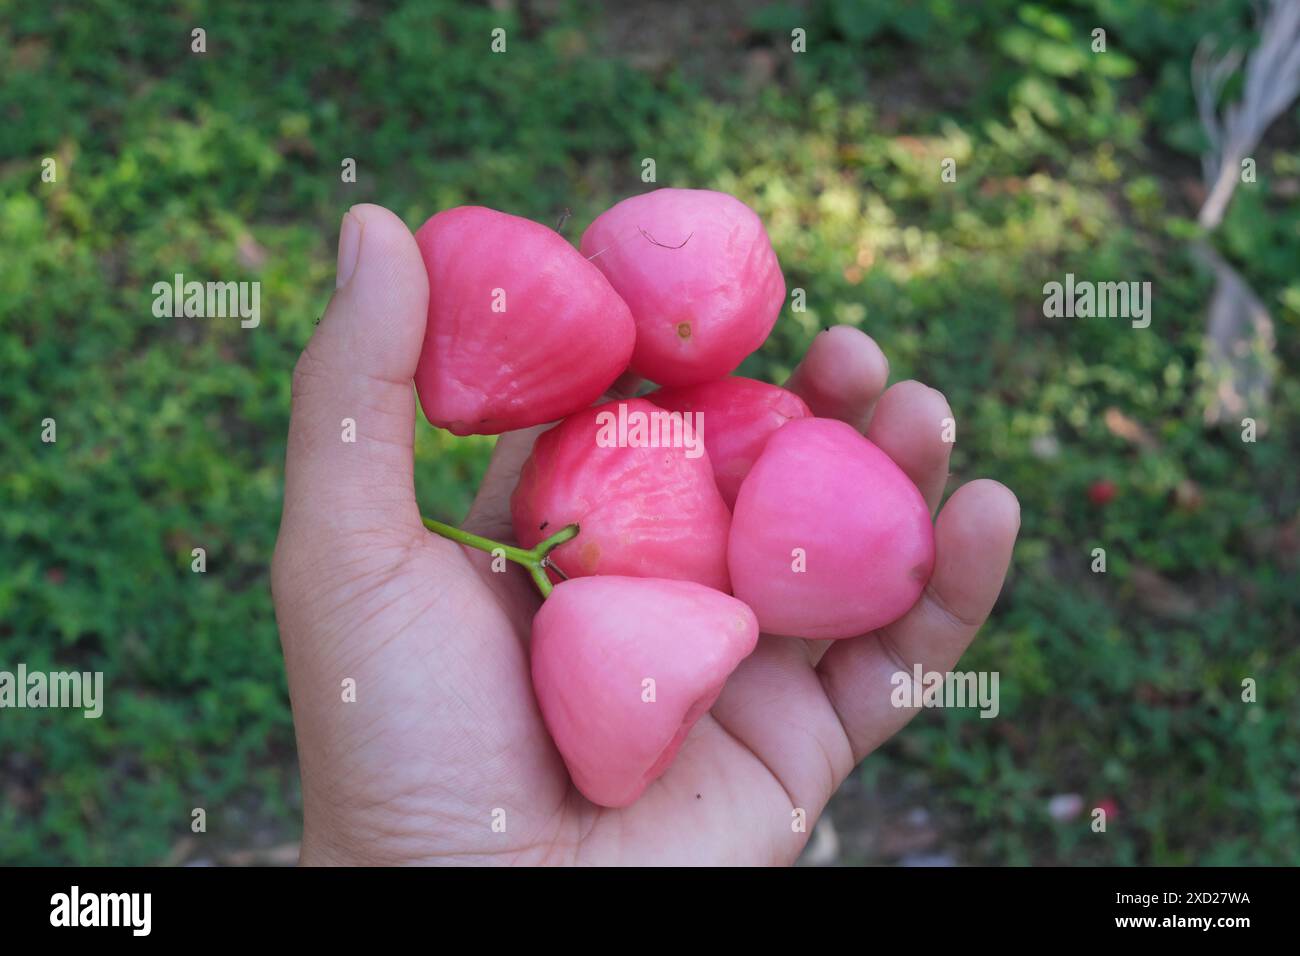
x,y
1121,687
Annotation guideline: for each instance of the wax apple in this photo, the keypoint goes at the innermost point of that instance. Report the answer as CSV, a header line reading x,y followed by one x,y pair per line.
x,y
623,667
829,538
698,272
638,519
643,510
738,416
521,329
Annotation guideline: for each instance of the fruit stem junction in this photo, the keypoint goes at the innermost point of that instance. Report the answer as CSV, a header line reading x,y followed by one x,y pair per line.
x,y
534,559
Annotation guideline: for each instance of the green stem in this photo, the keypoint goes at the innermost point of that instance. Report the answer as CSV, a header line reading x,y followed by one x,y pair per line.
x,y
534,559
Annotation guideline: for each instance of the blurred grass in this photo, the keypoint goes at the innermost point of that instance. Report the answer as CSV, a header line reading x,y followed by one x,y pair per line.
x,y
171,432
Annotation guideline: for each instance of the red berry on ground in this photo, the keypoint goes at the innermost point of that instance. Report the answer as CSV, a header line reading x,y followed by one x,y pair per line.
x,y
1102,492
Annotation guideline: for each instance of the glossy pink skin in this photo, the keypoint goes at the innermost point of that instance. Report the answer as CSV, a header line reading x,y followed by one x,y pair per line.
x,y
865,529
699,309
740,415
563,338
595,640
644,512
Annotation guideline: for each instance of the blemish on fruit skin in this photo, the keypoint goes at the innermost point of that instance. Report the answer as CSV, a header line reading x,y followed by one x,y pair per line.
x,y
589,554
684,330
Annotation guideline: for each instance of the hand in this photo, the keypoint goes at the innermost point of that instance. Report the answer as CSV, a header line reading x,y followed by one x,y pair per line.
x,y
444,729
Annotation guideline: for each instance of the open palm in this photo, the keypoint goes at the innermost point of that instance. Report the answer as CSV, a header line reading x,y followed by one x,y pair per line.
x,y
418,734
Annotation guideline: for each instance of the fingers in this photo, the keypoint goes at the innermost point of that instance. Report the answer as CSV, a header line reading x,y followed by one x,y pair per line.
x,y
841,376
349,460
489,515
974,537
774,704
910,424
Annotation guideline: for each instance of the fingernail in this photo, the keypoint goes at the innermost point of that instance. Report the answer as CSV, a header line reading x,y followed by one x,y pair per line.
x,y
349,248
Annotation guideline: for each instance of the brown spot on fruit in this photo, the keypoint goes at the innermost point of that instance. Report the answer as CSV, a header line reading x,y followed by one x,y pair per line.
x,y
684,330
589,554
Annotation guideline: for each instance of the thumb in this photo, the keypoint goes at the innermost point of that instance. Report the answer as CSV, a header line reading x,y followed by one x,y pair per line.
x,y
349,462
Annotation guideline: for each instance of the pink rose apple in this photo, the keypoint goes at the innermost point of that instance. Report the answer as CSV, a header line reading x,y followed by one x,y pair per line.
x,y
829,538
624,667
698,272
738,416
522,329
643,511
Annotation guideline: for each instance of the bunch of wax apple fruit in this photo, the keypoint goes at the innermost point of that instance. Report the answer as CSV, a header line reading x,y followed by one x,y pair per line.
x,y
669,561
